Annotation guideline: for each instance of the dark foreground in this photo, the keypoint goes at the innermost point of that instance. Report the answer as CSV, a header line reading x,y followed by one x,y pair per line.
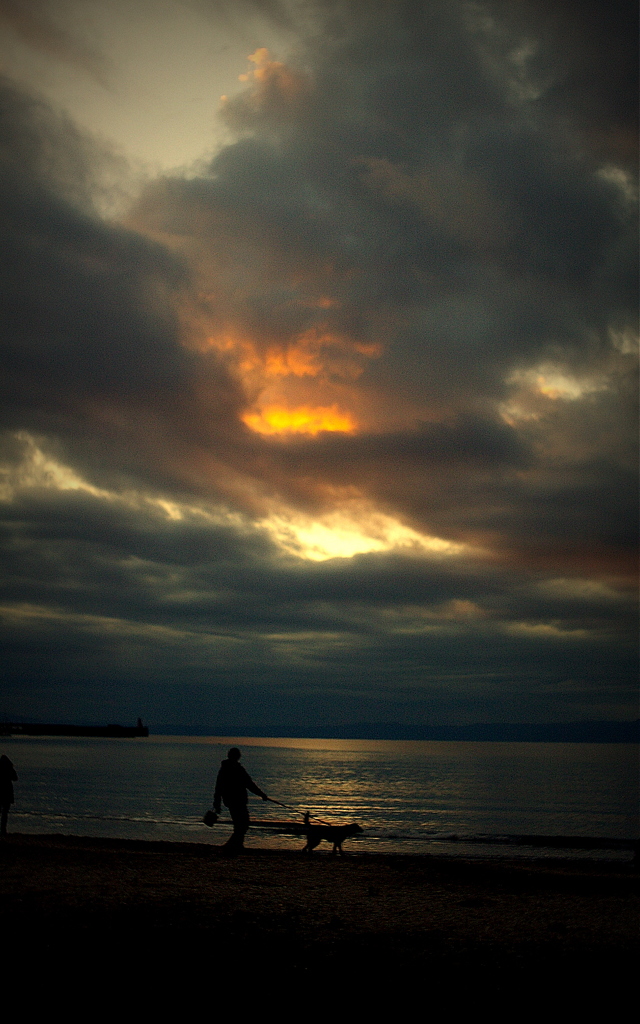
x,y
158,925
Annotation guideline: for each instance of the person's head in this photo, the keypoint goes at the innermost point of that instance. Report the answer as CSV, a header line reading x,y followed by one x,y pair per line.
x,y
234,754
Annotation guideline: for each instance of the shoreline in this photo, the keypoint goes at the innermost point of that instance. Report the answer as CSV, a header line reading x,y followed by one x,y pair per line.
x,y
352,852
270,835
365,918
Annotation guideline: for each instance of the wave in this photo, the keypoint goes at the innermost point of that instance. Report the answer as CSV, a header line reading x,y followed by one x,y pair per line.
x,y
145,820
399,837
487,839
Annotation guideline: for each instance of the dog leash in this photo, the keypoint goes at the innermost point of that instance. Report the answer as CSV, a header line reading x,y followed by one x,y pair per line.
x,y
211,817
290,807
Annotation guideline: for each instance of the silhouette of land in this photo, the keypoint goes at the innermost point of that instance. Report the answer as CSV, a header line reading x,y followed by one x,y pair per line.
x,y
182,920
55,729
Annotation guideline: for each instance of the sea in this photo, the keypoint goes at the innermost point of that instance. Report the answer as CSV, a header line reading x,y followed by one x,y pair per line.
x,y
486,799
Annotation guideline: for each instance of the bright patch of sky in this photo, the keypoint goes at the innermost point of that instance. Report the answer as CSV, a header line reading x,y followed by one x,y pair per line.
x,y
360,530
156,82
341,535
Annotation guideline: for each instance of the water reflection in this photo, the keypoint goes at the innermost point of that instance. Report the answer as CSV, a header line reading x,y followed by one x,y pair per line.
x,y
403,793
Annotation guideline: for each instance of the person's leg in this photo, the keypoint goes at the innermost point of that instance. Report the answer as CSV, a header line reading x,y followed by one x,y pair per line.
x,y
4,811
240,818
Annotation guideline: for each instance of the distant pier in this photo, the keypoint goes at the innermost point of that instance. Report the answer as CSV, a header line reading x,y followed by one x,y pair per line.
x,y
47,729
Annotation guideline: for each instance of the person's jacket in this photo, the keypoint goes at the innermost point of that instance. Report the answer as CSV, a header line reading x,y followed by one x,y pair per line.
x,y
232,785
7,778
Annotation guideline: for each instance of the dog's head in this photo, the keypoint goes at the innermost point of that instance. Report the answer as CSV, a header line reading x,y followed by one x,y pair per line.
x,y
355,830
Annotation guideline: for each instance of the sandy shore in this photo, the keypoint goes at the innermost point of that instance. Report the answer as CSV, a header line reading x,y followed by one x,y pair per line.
x,y
157,916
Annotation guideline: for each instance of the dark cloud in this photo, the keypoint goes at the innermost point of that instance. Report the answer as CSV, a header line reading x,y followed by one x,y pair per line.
x,y
90,329
408,229
479,236
587,66
219,608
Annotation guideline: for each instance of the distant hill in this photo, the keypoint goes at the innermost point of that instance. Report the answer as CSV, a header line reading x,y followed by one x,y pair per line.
x,y
544,732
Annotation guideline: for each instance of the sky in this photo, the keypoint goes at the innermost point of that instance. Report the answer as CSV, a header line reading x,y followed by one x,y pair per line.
x,y
319,342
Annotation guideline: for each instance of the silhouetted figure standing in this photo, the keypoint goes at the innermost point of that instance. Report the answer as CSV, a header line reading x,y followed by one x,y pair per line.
x,y
231,788
7,778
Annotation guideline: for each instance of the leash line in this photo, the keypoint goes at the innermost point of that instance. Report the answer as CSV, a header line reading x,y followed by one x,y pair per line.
x,y
293,807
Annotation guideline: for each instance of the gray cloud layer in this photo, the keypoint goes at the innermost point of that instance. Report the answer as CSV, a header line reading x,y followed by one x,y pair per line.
x,y
426,195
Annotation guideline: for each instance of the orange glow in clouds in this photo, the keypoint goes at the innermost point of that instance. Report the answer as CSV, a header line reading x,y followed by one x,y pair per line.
x,y
303,386
277,419
315,353
274,74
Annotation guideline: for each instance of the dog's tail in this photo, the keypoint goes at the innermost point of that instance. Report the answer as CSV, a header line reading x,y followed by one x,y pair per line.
x,y
306,819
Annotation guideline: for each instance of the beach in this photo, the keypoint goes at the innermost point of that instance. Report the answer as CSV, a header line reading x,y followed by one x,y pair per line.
x,y
157,916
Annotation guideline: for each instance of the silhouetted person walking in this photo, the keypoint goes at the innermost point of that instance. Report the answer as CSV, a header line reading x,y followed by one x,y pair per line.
x,y
7,778
231,788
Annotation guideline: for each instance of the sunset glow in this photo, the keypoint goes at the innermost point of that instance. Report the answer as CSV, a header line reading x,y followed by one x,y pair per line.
x,y
276,419
271,72
343,535
318,353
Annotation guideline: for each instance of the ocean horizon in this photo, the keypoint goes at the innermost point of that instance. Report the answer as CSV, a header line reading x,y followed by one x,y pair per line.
x,y
589,731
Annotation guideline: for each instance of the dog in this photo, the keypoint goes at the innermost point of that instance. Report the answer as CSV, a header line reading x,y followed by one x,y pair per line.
x,y
335,834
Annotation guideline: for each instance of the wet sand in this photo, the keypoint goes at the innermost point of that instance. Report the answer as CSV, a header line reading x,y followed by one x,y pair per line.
x,y
165,919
